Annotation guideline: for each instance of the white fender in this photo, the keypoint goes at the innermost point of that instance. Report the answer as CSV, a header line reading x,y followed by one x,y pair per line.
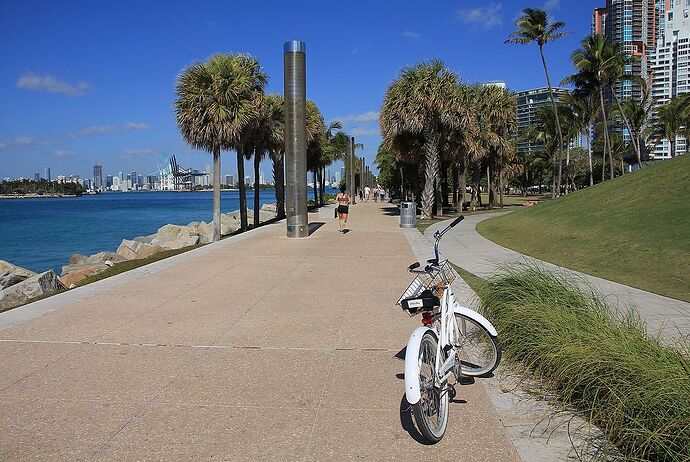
x,y
470,313
412,392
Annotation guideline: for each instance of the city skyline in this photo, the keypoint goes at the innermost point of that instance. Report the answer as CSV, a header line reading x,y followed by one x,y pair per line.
x,y
62,111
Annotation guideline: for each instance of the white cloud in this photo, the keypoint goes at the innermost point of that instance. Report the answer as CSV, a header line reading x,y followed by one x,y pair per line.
x,y
370,116
552,5
99,129
411,35
21,141
50,84
357,131
93,130
486,17
62,153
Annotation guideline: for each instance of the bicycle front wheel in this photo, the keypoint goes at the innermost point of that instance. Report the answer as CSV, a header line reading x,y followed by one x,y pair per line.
x,y
479,351
431,412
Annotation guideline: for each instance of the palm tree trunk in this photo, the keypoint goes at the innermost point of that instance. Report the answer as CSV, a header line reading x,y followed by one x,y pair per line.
x,y
257,165
490,187
454,172
316,187
216,194
607,142
673,146
438,192
243,189
589,155
278,179
462,186
431,158
634,142
500,187
639,153
555,113
402,185
476,194
322,185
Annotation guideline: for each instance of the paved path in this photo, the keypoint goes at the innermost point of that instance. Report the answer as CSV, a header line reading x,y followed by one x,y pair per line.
x,y
465,247
260,348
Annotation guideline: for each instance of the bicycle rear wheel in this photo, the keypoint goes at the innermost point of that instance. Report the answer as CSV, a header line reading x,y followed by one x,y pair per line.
x,y
431,412
479,351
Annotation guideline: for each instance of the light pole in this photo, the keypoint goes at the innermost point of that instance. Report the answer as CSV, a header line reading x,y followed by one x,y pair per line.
x,y
295,91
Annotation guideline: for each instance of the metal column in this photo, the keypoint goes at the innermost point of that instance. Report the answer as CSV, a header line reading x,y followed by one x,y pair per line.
x,y
295,91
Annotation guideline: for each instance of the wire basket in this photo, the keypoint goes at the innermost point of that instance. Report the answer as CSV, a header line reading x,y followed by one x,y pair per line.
x,y
433,281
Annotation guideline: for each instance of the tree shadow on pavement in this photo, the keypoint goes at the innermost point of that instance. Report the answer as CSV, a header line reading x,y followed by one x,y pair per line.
x,y
392,211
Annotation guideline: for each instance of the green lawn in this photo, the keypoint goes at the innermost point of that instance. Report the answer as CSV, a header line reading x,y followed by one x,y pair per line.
x,y
634,229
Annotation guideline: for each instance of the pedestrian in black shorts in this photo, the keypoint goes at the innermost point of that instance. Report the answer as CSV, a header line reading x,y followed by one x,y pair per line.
x,y
343,201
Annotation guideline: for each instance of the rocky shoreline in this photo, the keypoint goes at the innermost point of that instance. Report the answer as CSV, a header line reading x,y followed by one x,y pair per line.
x,y
19,285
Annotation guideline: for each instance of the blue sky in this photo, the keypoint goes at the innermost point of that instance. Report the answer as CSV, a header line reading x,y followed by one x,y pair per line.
x,y
87,82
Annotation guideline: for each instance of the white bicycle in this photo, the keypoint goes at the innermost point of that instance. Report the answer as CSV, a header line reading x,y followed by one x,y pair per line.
x,y
453,341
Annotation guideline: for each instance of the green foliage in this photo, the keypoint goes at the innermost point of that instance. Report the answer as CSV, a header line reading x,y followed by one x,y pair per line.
x,y
21,187
626,230
595,359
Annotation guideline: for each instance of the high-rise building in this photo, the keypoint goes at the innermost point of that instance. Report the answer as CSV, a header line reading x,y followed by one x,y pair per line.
x,y
670,64
37,176
599,21
46,173
98,177
528,102
109,181
337,178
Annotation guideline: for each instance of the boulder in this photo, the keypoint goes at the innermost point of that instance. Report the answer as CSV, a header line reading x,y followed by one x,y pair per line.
x,y
77,259
269,208
104,257
133,250
145,239
175,237
73,274
11,274
228,224
203,230
35,286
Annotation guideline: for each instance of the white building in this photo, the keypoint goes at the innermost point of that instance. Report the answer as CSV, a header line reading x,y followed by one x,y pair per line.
x,y
671,67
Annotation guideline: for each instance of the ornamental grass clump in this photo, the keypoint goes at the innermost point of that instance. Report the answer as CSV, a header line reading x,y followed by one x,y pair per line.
x,y
595,358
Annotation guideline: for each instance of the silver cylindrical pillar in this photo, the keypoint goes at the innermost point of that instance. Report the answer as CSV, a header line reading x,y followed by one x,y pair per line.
x,y
295,91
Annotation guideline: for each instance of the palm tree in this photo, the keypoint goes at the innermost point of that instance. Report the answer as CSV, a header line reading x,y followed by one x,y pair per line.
x,y
599,64
583,107
544,133
420,102
275,143
316,129
534,26
637,115
216,101
672,121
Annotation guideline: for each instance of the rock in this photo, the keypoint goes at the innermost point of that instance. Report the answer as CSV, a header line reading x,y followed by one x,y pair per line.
x,y
228,224
203,230
77,259
73,274
35,286
104,257
145,239
269,208
133,250
175,237
11,274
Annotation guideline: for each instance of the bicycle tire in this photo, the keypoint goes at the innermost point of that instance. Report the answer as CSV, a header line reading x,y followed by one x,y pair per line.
x,y
480,352
431,411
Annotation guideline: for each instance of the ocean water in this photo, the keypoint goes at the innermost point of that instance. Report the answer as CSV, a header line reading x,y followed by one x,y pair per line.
x,y
40,234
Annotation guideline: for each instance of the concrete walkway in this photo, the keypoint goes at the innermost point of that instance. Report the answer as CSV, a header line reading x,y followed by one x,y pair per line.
x,y
465,247
260,348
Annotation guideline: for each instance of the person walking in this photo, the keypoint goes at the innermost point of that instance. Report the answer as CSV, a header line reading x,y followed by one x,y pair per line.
x,y
367,190
343,201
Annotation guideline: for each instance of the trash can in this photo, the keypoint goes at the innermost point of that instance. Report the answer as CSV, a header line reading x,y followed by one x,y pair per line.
x,y
408,214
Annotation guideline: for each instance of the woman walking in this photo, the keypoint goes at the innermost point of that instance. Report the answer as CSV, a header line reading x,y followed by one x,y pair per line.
x,y
343,201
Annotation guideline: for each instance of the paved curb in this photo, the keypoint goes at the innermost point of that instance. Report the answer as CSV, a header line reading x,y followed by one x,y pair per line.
x,y
36,309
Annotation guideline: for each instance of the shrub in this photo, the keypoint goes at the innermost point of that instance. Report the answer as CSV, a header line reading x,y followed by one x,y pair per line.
x,y
596,358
